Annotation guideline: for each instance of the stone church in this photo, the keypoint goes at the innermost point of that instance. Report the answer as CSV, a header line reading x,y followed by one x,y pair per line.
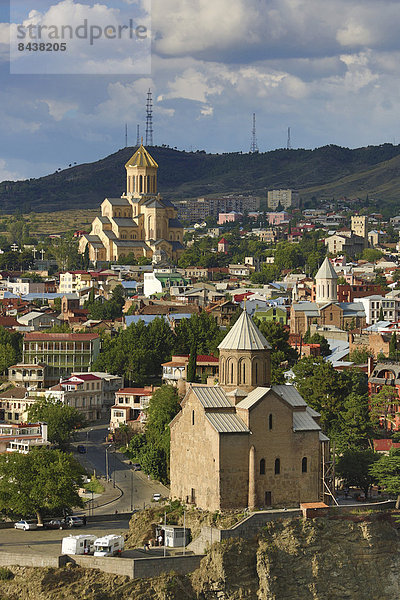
x,y
140,222
243,443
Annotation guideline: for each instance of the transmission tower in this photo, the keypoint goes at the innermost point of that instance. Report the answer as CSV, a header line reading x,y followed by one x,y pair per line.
x,y
137,135
126,135
253,145
289,142
149,119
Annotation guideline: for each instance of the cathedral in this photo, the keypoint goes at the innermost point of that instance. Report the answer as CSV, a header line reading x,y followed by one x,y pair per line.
x,y
140,222
244,443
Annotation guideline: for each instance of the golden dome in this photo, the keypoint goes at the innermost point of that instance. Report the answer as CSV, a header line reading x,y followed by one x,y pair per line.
x,y
141,158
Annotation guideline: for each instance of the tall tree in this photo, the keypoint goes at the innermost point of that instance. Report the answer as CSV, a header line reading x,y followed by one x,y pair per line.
x,y
386,472
62,420
191,368
354,466
42,480
393,346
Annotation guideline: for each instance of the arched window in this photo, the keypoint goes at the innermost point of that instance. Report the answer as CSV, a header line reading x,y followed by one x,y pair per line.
x,y
304,465
231,372
192,417
277,466
141,184
262,466
270,422
243,372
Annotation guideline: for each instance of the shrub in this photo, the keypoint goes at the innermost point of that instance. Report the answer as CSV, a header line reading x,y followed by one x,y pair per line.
x,y
6,574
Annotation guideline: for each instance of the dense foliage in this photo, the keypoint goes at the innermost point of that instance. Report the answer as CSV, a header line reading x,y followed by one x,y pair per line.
x,y
42,480
62,420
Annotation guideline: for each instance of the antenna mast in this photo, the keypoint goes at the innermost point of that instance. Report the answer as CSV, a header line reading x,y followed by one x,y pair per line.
x,y
137,135
149,119
289,142
126,135
253,145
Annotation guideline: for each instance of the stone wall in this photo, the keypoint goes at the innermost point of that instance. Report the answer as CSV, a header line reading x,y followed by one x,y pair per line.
x,y
9,559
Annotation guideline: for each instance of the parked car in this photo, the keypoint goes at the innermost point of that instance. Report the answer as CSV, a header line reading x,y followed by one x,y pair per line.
x,y
81,449
75,521
25,524
156,497
56,524
136,467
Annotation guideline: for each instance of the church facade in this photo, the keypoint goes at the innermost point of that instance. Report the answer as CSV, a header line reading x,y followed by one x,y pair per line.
x,y
140,222
245,443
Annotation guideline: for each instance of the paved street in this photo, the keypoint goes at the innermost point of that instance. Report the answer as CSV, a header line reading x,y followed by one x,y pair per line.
x,y
132,489
49,541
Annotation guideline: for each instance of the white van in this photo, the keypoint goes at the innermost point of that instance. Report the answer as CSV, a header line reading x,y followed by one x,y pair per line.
x,y
78,544
109,545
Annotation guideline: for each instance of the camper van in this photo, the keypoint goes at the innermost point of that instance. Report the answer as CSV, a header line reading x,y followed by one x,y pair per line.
x,y
78,544
109,545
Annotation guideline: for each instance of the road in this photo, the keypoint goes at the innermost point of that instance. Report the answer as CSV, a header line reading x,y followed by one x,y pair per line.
x,y
136,488
49,541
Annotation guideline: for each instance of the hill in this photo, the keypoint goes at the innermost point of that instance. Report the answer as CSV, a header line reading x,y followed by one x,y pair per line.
x,y
330,171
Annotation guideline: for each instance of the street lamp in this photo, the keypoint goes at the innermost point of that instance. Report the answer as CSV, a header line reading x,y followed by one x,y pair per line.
x,y
107,476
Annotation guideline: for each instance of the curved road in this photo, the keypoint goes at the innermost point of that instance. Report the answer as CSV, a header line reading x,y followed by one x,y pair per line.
x,y
136,488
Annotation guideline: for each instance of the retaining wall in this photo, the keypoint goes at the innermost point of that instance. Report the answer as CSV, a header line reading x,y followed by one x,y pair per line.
x,y
9,559
139,567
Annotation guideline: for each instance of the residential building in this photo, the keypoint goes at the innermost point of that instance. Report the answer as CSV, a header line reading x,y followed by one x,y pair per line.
x,y
197,209
243,443
36,320
345,242
140,222
130,407
83,392
359,226
231,217
62,353
14,404
160,281
223,246
284,198
175,370
31,376
277,218
273,313
387,374
22,437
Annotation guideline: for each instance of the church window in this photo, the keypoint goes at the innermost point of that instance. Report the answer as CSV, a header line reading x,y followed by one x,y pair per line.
x,y
231,372
304,465
244,372
270,422
192,417
262,466
277,466
141,184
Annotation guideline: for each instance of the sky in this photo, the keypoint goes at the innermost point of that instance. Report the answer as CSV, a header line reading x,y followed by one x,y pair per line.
x,y
329,70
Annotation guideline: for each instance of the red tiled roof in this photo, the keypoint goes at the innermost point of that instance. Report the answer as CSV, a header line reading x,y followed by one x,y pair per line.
x,y
135,391
60,337
8,322
385,445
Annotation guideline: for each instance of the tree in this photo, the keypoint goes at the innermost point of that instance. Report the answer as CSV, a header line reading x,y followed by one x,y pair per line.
x,y
355,429
393,346
360,355
281,351
41,480
382,402
316,338
381,315
355,466
386,472
201,330
371,254
154,454
62,420
191,368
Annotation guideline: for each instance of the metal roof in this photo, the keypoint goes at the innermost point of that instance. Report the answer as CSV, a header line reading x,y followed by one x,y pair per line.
x,y
253,397
312,412
290,394
323,437
117,201
211,397
142,158
244,335
326,271
226,423
303,422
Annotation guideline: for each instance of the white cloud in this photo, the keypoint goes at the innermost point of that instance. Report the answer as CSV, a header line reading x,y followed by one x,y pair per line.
x,y
5,173
58,109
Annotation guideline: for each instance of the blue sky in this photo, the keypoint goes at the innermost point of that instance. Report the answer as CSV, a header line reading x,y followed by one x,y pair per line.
x,y
330,71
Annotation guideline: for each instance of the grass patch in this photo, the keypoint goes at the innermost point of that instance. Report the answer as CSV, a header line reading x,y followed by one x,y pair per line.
x,y
94,486
6,574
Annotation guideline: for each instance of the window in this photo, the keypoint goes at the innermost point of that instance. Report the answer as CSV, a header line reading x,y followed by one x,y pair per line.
x,y
270,422
192,417
262,466
304,465
277,466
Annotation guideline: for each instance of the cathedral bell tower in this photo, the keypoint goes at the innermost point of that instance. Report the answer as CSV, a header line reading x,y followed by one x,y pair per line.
x,y
244,357
141,174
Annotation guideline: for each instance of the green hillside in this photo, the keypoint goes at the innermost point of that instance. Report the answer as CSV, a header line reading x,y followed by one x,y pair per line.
x,y
330,171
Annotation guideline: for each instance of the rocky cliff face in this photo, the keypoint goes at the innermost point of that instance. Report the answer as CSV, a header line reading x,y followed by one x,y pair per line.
x,y
293,560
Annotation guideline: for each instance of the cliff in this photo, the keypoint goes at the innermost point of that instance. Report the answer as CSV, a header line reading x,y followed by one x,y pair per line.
x,y
292,560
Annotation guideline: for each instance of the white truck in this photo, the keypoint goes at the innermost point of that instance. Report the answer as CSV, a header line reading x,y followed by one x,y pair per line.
x,y
78,544
109,545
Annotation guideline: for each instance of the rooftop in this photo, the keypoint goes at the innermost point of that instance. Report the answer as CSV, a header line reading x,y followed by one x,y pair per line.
x,y
244,335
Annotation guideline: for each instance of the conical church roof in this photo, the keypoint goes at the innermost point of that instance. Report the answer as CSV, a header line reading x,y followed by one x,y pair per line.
x,y
326,271
142,158
244,335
